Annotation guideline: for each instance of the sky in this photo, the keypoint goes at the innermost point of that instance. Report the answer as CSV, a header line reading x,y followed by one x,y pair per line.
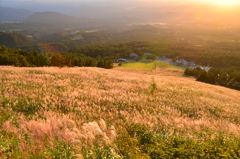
x,y
205,1
25,3
129,7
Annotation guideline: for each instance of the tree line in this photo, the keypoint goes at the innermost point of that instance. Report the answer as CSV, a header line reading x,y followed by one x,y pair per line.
x,y
111,50
228,77
20,58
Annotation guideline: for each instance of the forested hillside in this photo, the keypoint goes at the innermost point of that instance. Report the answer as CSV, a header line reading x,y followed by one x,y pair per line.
x,y
15,40
111,50
203,45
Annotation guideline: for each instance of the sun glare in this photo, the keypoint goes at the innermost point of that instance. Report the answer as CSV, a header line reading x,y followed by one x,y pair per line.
x,y
226,2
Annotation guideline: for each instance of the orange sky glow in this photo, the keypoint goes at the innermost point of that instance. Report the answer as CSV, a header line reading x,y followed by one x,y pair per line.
x,y
224,2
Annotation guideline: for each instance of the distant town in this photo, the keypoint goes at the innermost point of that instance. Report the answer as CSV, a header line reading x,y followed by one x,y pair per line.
x,y
180,62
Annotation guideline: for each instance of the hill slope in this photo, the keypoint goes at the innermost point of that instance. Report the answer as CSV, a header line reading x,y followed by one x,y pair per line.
x,y
48,111
15,39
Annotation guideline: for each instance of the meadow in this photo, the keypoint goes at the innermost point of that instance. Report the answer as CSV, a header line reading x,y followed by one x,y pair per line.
x,y
148,65
88,112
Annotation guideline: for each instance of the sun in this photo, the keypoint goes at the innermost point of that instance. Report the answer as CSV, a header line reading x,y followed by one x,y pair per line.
x,y
226,2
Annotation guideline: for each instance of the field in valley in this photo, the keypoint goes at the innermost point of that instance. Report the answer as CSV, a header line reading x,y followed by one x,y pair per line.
x,y
148,65
84,112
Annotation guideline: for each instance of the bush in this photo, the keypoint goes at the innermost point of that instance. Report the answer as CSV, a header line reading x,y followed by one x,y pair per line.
x,y
193,72
211,78
138,141
202,77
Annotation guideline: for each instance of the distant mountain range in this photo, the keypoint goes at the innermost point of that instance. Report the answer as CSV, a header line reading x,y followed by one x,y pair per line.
x,y
113,14
10,14
51,17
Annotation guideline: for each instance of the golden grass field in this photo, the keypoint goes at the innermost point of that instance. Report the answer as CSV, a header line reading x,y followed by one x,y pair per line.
x,y
78,105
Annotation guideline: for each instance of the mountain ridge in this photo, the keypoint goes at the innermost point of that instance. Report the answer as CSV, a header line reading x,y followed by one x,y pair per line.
x,y
51,17
11,14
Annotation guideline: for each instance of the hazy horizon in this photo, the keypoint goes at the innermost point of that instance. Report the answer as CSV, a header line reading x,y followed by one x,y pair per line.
x,y
152,11
39,5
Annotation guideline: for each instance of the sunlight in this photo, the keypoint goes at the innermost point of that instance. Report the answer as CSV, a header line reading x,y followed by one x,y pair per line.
x,y
226,2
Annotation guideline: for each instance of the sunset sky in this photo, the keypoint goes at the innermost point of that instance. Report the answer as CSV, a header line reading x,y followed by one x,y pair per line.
x,y
30,4
205,1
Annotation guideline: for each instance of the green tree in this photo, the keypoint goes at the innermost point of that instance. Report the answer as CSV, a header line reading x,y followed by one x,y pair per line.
x,y
151,57
202,77
210,78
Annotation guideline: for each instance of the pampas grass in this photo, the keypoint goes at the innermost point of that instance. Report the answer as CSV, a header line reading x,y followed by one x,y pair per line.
x,y
82,105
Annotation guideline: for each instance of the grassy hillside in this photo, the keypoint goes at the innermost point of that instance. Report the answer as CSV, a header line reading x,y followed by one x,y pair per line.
x,y
76,112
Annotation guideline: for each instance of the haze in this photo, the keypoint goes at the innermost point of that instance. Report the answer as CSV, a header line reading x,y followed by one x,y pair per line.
x,y
131,11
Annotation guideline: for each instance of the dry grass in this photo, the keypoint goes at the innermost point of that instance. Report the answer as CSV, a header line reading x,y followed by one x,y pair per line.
x,y
82,104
